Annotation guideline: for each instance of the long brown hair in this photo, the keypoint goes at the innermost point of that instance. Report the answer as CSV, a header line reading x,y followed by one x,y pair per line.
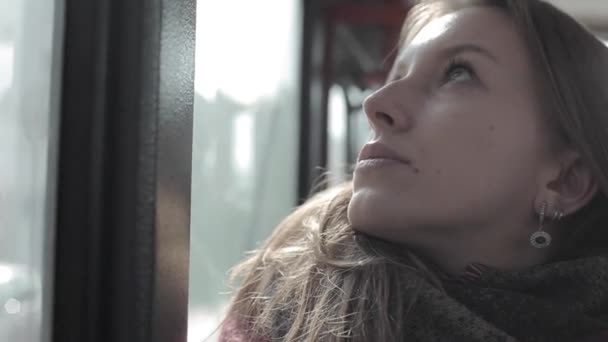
x,y
315,279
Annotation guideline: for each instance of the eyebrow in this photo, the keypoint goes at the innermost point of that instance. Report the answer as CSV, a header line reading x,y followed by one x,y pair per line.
x,y
456,49
450,52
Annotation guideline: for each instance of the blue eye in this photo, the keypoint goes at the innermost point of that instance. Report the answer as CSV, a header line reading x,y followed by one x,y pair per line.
x,y
458,71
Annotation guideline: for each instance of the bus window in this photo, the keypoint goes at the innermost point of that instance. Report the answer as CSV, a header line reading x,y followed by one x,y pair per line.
x,y
245,149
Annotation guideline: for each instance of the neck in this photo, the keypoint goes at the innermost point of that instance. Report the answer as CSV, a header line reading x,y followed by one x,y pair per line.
x,y
453,257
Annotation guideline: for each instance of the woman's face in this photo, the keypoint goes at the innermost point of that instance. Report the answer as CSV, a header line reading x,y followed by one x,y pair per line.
x,y
460,111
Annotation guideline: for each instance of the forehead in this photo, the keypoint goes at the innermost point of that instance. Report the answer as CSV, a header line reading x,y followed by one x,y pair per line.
x,y
488,27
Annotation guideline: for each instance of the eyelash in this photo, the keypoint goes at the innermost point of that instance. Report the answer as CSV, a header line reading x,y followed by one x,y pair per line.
x,y
455,63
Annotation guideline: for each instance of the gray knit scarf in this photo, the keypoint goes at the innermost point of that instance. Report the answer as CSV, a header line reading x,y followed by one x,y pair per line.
x,y
559,301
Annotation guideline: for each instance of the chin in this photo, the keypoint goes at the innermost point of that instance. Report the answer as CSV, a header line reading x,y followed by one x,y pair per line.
x,y
356,212
371,216
386,216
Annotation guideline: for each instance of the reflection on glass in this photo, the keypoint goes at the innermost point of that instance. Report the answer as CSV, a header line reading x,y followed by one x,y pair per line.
x,y
245,140
12,306
28,118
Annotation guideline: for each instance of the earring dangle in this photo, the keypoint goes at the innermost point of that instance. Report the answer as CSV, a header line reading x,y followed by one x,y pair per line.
x,y
557,215
540,238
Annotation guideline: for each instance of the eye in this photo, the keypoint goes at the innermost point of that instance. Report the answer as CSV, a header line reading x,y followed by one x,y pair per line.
x,y
394,77
458,71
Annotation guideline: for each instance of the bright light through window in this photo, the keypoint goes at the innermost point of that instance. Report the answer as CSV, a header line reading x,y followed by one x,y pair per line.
x,y
338,118
6,66
243,142
245,146
6,274
251,36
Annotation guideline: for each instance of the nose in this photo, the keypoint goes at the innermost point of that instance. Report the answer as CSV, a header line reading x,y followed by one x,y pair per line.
x,y
385,110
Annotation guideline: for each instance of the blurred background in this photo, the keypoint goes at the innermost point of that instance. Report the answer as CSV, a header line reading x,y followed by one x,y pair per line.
x,y
278,89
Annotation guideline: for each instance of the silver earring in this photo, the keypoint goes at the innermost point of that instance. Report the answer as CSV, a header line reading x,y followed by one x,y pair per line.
x,y
540,238
558,214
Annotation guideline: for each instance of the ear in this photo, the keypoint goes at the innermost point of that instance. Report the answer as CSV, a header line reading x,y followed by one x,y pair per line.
x,y
571,187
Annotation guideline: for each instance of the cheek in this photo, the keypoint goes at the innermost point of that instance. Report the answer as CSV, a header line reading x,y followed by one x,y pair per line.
x,y
481,130
457,140
479,161
479,148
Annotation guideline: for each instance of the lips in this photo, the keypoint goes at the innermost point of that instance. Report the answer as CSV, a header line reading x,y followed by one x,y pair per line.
x,y
378,150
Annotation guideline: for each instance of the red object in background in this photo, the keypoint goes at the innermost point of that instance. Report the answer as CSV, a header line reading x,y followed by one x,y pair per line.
x,y
367,14
388,15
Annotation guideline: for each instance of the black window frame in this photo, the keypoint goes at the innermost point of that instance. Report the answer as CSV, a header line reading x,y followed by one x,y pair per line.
x,y
123,192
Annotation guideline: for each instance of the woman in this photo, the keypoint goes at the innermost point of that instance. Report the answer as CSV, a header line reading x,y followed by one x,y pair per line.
x,y
477,212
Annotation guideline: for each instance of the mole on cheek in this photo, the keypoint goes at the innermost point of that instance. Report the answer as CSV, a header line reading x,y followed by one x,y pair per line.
x,y
492,128
438,171
416,170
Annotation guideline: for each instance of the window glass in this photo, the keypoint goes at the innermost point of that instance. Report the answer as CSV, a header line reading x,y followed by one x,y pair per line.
x,y
245,152
29,91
